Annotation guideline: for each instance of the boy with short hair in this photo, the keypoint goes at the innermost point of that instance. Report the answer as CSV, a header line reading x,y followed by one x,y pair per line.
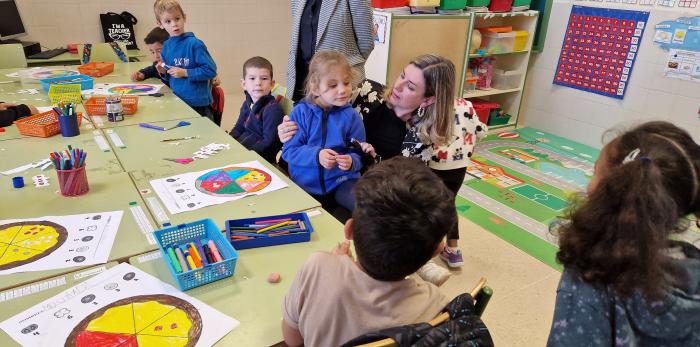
x,y
256,128
401,216
154,40
187,63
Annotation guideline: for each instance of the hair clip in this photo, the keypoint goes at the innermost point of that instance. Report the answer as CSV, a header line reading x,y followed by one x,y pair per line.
x,y
631,156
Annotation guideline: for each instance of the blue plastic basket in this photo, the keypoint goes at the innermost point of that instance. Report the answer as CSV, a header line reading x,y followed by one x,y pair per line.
x,y
85,81
184,233
274,240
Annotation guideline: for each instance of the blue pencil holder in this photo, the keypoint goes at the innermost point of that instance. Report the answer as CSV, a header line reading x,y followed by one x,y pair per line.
x,y
189,232
86,82
69,126
304,236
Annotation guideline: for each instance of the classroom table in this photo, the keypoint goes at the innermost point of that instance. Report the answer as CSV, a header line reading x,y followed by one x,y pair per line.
x,y
248,297
68,58
108,192
17,300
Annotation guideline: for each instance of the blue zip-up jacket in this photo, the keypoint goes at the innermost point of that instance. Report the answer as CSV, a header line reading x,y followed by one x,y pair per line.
x,y
320,129
188,52
256,128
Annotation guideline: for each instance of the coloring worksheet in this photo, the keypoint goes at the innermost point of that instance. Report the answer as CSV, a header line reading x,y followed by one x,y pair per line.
x,y
124,89
56,242
194,190
122,306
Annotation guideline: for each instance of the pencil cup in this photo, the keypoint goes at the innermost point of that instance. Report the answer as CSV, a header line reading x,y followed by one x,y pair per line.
x,y
73,182
69,126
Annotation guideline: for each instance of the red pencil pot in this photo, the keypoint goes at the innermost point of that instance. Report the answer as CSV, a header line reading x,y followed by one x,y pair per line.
x,y
73,182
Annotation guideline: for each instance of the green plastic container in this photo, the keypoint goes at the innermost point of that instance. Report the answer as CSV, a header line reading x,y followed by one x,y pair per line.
x,y
496,119
452,4
521,3
478,3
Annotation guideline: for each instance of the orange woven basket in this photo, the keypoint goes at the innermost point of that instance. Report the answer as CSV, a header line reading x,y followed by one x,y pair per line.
x,y
96,69
43,124
95,106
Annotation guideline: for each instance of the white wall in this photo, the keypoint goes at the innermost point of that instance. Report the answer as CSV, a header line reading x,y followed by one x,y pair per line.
x,y
583,116
233,30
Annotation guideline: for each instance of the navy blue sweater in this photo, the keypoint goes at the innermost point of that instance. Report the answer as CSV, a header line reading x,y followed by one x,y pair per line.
x,y
188,52
256,128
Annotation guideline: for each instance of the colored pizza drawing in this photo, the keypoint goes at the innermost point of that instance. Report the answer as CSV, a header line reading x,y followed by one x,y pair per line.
x,y
140,321
132,89
25,242
233,181
44,74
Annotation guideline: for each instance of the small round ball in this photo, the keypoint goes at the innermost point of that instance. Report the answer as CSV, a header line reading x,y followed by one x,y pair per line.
x,y
274,278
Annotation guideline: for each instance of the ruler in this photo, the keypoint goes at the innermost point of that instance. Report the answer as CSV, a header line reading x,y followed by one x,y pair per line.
x,y
116,139
157,209
101,141
31,289
142,221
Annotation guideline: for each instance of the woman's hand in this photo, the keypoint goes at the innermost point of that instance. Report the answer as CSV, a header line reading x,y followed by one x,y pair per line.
x,y
344,161
286,129
327,158
369,149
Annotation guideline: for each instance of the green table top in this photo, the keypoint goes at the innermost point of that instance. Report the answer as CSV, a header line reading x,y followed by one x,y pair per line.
x,y
17,300
248,297
136,138
74,58
108,192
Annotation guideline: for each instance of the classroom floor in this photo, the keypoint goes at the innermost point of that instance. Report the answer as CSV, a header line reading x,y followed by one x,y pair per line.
x,y
524,289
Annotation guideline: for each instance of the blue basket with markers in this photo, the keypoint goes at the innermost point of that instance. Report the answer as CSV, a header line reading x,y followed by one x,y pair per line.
x,y
85,81
196,253
269,231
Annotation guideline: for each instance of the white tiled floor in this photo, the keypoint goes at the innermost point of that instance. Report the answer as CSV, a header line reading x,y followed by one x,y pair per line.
x,y
524,289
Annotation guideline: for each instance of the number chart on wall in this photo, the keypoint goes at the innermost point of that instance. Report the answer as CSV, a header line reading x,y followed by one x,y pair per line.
x,y
599,49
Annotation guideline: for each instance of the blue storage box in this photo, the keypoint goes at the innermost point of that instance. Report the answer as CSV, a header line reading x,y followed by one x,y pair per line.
x,y
189,232
263,240
85,81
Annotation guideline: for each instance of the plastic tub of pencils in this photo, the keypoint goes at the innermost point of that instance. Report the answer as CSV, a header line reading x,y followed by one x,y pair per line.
x,y
269,231
70,170
196,253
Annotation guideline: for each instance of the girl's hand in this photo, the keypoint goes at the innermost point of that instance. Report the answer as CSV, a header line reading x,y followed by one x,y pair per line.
x,y
177,72
368,148
286,129
344,161
327,158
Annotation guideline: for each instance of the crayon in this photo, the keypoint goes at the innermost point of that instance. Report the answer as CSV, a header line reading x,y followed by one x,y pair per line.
x,y
214,251
181,259
207,254
190,261
272,227
173,260
200,252
240,233
279,233
240,238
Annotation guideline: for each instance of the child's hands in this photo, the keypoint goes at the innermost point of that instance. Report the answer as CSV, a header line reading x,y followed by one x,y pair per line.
x,y
326,157
343,249
368,148
286,129
137,76
33,109
216,81
161,70
177,72
344,161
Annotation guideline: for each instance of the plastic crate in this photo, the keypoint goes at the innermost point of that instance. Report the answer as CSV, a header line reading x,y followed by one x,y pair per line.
x,y
389,3
498,118
96,69
43,124
66,93
520,40
424,3
483,108
95,106
478,3
85,81
189,232
270,240
495,43
452,4
518,3
503,79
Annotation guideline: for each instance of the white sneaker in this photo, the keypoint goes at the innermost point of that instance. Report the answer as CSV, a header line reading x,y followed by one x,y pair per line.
x,y
433,273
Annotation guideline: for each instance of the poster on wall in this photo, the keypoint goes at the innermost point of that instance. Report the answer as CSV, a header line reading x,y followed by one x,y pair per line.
x,y
599,49
683,65
380,21
682,33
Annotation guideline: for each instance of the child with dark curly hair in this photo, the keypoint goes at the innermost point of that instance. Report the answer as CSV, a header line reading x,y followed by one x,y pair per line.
x,y
626,283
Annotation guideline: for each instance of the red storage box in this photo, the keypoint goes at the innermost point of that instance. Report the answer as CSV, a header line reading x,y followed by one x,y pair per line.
x,y
501,5
483,108
389,3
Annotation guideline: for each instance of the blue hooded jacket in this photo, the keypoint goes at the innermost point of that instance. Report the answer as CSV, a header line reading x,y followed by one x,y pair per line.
x,y
320,129
188,52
